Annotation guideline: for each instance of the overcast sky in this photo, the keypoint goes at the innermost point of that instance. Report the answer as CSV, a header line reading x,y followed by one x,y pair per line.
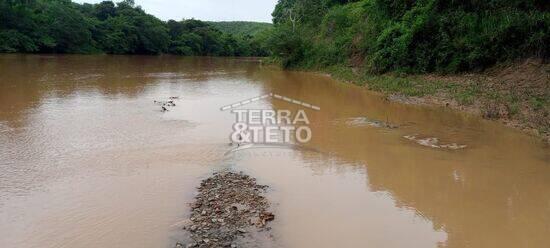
x,y
206,10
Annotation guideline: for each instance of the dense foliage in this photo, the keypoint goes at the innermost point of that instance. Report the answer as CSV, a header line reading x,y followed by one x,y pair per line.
x,y
61,26
409,35
378,35
241,28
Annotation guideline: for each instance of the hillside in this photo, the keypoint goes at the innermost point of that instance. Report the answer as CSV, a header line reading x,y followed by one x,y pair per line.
x,y
427,49
241,27
61,26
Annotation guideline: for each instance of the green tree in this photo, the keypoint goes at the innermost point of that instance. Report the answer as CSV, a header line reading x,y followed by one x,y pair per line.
x,y
61,26
104,10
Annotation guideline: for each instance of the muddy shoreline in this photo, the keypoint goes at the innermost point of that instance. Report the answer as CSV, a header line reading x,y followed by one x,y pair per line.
x,y
516,94
230,210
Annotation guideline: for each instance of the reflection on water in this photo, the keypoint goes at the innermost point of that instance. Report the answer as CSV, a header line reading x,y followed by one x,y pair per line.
x,y
87,159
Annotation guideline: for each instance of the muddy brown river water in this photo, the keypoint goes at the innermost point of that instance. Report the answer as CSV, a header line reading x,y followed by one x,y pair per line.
x,y
88,160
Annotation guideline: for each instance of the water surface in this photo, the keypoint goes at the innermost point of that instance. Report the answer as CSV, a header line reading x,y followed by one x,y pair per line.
x,y
88,160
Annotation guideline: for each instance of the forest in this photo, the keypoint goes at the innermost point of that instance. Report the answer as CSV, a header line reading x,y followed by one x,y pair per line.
x,y
242,27
410,36
376,35
61,26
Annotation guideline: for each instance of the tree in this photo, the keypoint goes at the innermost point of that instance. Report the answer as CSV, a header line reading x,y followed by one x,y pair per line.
x,y
61,26
105,10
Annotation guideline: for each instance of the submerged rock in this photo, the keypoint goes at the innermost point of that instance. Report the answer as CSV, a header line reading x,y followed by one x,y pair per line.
x,y
433,142
165,104
364,121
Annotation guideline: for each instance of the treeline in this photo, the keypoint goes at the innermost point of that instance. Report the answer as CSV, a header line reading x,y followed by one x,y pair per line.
x,y
242,27
61,26
407,35
377,35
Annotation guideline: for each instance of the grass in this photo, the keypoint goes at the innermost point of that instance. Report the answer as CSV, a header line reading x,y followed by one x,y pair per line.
x,y
493,104
407,85
466,95
538,103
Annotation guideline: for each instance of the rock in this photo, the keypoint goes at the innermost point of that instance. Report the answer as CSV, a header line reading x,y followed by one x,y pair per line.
x,y
224,205
267,216
165,104
433,142
364,121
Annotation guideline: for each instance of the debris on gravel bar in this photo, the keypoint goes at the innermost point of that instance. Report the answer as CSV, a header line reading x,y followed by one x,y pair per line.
x,y
229,211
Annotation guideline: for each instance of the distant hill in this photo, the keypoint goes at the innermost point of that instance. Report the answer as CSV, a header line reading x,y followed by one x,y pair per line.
x,y
241,27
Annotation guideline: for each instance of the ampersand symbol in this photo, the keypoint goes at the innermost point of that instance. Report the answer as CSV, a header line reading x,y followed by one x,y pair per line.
x,y
240,133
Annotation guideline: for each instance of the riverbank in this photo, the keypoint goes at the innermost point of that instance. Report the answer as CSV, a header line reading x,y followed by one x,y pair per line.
x,y
516,94
229,211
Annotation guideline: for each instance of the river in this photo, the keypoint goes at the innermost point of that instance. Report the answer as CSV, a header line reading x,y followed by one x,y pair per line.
x,y
87,159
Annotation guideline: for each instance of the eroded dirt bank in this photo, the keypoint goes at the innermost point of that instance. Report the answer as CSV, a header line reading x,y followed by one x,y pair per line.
x,y
517,94
230,210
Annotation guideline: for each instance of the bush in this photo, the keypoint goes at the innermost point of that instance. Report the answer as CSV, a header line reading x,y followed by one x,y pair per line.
x,y
13,41
418,36
287,43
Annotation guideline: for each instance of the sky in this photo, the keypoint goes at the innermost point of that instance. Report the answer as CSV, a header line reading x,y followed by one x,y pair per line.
x,y
206,10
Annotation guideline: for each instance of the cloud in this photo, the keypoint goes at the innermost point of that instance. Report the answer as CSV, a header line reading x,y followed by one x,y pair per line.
x,y
207,10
